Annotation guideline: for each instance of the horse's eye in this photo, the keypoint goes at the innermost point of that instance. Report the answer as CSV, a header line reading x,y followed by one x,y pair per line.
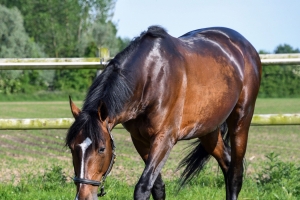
x,y
101,150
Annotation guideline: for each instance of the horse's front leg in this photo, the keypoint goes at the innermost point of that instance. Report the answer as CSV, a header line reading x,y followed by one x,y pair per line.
x,y
159,152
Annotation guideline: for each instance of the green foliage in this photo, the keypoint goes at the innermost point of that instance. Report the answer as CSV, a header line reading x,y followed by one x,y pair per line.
x,y
9,83
27,81
64,29
104,35
31,81
285,48
15,43
52,178
101,32
74,80
49,181
51,185
77,28
123,42
280,81
62,26
284,177
53,24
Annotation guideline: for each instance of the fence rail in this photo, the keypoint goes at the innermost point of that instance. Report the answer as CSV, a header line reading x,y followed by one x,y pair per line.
x,y
51,63
64,123
280,59
37,123
97,63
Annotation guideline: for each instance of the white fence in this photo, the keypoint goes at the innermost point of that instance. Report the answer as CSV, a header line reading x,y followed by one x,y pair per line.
x,y
97,63
64,123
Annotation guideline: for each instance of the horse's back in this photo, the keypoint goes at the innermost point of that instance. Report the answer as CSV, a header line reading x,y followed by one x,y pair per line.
x,y
220,33
227,41
219,47
233,48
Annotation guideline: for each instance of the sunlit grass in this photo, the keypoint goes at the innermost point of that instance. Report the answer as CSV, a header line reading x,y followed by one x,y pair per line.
x,y
33,151
277,106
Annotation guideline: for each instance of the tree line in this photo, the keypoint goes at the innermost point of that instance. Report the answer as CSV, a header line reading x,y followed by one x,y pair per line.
x,y
57,28
279,81
77,28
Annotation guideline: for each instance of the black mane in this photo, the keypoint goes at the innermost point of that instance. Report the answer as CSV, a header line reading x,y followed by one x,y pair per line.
x,y
114,86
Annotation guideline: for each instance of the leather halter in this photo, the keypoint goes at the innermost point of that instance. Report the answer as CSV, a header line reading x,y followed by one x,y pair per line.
x,y
101,182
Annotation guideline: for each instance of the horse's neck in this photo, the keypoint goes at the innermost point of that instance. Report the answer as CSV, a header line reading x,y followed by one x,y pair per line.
x,y
129,112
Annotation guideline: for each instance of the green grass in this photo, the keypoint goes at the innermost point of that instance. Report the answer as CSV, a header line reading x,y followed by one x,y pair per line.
x,y
54,109
278,180
277,106
42,96
29,154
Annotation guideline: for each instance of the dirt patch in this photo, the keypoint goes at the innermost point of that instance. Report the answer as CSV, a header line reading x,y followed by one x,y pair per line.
x,y
36,144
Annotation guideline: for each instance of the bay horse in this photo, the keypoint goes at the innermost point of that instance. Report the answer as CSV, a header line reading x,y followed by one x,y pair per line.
x,y
163,89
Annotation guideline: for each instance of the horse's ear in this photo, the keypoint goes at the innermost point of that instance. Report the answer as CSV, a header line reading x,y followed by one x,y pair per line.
x,y
102,111
74,109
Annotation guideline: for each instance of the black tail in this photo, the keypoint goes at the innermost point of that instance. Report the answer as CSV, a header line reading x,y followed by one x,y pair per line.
x,y
197,158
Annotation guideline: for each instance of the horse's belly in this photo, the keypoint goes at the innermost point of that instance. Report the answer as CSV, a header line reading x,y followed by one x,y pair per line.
x,y
205,116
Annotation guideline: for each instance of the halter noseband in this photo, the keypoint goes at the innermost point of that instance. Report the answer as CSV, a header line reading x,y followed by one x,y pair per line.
x,y
101,182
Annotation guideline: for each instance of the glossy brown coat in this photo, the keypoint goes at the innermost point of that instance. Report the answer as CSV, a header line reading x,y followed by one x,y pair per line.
x,y
194,86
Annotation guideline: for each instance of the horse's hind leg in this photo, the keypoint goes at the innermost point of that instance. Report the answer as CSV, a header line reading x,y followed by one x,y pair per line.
x,y
238,127
214,144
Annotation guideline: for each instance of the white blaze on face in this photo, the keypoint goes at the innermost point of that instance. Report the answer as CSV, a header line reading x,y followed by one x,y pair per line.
x,y
84,145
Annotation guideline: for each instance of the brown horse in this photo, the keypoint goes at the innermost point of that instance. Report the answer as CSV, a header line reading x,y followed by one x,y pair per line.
x,y
165,89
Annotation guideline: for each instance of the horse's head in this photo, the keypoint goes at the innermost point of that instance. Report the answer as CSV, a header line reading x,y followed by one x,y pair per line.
x,y
92,149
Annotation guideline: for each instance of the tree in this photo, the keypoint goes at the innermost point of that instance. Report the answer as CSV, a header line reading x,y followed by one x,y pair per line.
x,y
15,43
52,24
100,31
70,28
59,25
285,48
281,80
123,43
102,35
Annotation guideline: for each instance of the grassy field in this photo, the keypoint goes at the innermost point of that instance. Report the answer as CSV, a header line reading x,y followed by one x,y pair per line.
x,y
32,154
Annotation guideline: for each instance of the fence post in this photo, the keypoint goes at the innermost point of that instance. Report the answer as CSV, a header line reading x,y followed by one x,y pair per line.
x,y
104,56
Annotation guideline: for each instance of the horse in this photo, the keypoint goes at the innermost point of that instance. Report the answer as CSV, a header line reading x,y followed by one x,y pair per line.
x,y
162,89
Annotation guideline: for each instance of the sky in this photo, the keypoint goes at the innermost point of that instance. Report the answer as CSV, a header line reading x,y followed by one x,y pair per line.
x,y
265,23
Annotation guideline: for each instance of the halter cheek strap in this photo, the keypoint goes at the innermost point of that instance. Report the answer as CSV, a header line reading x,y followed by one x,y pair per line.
x,y
101,182
112,161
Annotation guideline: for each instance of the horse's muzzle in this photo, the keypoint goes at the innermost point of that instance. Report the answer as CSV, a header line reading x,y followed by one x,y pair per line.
x,y
86,193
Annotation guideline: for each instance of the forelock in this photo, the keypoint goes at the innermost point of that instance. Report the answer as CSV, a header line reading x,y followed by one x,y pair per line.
x,y
88,125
